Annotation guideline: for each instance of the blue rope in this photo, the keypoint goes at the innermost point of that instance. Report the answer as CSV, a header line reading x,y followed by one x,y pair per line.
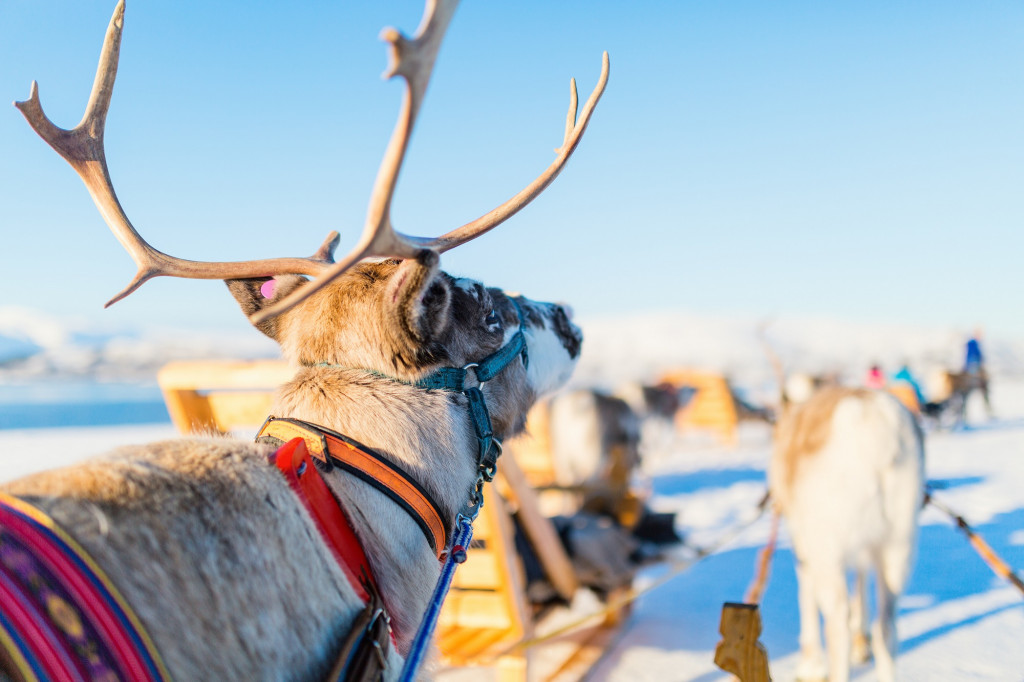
x,y
457,555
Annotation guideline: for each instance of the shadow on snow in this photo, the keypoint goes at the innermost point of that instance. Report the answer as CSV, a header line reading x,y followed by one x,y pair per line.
x,y
682,484
947,569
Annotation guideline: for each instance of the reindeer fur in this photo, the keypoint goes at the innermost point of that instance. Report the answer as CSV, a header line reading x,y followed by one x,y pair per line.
x,y
847,473
207,542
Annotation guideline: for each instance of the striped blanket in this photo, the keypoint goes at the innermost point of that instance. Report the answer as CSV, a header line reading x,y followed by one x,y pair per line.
x,y
60,616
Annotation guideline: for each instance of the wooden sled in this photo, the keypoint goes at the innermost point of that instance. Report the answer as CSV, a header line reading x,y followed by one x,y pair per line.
x,y
486,613
739,652
533,452
712,408
906,394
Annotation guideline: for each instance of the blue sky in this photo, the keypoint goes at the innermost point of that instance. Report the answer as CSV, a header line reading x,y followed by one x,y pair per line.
x,y
854,160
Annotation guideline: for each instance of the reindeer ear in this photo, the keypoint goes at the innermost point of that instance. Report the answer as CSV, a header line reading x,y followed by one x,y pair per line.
x,y
257,293
420,297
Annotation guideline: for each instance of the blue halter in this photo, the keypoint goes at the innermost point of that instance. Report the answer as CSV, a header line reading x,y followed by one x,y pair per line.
x,y
453,379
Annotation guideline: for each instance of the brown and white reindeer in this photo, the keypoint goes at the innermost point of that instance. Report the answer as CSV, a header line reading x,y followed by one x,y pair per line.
x,y
209,544
847,473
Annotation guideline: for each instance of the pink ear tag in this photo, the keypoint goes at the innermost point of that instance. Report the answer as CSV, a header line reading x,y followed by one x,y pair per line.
x,y
268,288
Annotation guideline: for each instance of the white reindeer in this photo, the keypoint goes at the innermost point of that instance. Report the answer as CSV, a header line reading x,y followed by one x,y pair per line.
x,y
209,545
847,474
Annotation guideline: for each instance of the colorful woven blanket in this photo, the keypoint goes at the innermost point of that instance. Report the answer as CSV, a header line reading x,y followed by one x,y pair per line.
x,y
60,616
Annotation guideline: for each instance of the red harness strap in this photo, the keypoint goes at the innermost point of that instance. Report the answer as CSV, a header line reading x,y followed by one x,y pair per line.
x,y
293,460
333,449
362,654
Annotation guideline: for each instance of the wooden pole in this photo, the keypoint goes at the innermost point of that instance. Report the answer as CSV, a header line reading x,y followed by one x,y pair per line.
x,y
739,652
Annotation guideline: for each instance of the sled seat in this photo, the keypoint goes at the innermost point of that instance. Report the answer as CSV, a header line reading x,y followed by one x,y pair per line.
x,y
220,396
535,457
906,394
713,407
486,610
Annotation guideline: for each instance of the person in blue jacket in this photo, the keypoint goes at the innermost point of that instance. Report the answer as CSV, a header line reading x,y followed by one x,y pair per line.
x,y
974,369
973,359
904,374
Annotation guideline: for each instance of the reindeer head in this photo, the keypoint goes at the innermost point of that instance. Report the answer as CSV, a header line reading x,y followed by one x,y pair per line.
x,y
407,318
401,316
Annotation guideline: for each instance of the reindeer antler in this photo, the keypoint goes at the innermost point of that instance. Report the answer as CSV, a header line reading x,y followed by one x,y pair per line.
x,y
773,359
412,59
573,134
82,147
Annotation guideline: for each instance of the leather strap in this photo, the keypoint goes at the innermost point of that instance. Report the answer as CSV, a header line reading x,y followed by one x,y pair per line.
x,y
333,449
293,461
363,654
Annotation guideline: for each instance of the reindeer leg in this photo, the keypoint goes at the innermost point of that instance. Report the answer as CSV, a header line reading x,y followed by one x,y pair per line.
x,y
984,394
811,667
860,647
884,639
892,572
834,599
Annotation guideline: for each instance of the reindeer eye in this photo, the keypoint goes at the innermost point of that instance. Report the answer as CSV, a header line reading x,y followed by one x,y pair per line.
x,y
491,319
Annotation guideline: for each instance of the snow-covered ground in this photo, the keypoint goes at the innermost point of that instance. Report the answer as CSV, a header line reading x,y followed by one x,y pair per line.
x,y
957,620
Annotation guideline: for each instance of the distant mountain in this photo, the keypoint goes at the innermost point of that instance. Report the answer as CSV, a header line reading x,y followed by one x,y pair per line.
x,y
643,346
34,327
38,345
14,348
615,349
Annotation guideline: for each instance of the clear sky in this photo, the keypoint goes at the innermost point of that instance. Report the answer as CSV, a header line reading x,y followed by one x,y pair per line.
x,y
860,160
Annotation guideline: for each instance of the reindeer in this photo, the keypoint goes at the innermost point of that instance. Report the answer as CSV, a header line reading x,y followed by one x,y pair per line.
x,y
847,474
950,409
229,572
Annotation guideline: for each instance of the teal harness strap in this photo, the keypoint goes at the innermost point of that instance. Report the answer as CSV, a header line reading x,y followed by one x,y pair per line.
x,y
453,380
444,379
489,448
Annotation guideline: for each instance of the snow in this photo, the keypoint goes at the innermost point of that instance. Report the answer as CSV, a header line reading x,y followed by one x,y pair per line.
x,y
25,451
957,620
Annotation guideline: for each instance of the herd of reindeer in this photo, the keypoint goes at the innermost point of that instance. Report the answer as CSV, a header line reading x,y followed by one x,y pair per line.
x,y
367,335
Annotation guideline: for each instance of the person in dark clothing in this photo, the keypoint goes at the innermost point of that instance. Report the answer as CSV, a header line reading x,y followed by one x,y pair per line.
x,y
973,359
974,374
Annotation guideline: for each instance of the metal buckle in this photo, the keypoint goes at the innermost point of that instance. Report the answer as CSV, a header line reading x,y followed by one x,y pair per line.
x,y
377,614
377,649
475,501
489,470
474,366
